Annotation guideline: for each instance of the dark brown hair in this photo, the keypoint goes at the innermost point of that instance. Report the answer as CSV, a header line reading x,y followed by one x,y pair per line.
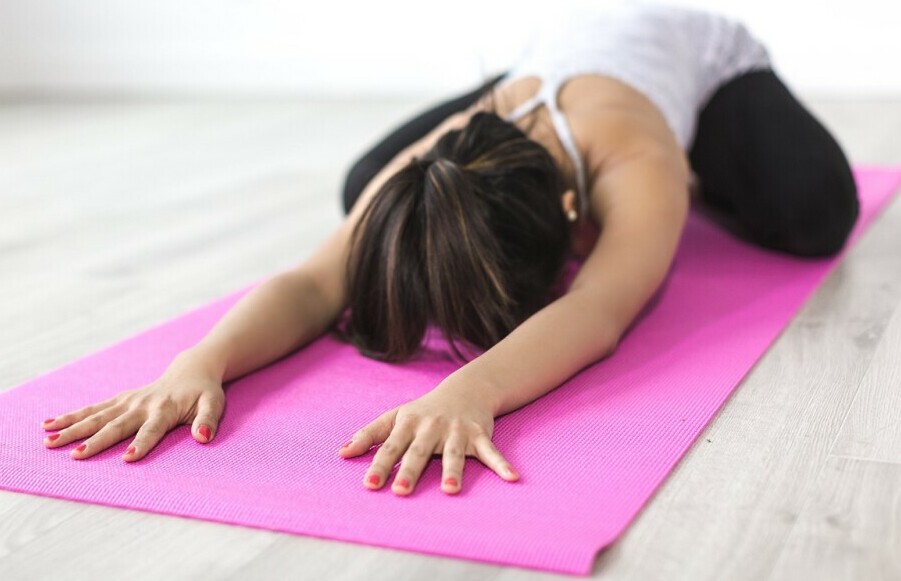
x,y
471,237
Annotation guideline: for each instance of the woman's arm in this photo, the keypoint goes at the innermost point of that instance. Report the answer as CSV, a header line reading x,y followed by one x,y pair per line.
x,y
277,317
643,202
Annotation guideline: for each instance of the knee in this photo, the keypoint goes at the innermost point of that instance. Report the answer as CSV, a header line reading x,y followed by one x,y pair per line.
x,y
819,214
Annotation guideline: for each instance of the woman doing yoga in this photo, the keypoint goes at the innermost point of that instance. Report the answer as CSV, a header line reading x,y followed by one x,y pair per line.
x,y
591,146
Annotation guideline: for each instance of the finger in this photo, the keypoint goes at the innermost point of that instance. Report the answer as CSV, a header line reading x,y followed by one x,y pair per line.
x,y
152,431
452,462
492,458
374,433
210,405
116,430
82,429
387,456
415,459
67,419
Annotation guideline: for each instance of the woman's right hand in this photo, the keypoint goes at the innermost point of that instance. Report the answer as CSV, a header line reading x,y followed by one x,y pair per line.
x,y
185,394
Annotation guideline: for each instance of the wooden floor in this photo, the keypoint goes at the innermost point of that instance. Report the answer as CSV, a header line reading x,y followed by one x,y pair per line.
x,y
117,215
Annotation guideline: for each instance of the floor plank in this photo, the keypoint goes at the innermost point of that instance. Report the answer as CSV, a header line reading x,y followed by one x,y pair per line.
x,y
26,519
851,527
76,541
872,429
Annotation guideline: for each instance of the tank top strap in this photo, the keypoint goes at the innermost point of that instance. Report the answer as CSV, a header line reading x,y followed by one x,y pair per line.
x,y
547,94
525,107
564,132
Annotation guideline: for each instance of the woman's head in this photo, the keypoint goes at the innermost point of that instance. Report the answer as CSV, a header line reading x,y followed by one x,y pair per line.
x,y
471,238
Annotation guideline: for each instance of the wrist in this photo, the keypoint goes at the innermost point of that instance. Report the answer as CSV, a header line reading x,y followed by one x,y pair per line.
x,y
207,359
476,388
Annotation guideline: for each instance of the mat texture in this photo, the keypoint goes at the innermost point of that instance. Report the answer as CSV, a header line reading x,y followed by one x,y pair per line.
x,y
274,461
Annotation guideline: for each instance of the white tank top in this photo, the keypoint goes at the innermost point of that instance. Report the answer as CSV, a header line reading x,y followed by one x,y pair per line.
x,y
677,57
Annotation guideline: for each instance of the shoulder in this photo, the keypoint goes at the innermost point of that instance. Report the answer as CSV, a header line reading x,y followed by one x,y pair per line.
x,y
614,140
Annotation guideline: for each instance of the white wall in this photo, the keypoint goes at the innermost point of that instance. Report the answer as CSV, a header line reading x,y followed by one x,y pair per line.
x,y
391,47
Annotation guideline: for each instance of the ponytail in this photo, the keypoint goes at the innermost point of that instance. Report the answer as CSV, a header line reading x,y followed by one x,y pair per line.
x,y
463,259
471,237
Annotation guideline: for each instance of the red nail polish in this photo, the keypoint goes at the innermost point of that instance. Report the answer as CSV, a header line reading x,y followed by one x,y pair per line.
x,y
52,437
205,431
403,483
81,448
450,481
374,479
131,450
48,420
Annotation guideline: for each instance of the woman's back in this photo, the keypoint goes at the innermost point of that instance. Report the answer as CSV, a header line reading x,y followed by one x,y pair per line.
x,y
674,56
620,77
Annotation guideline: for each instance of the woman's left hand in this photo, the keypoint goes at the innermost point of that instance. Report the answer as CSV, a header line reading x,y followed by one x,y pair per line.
x,y
449,421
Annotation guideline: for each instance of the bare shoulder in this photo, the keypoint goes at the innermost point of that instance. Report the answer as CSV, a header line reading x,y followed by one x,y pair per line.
x,y
621,142
639,197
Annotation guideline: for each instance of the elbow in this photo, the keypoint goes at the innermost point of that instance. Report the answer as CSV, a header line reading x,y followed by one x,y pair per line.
x,y
609,346
610,337
605,345
600,331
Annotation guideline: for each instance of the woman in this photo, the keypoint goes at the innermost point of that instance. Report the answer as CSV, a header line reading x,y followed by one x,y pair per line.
x,y
464,216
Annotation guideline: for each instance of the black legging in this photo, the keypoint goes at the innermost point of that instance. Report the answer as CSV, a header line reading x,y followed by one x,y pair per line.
x,y
766,167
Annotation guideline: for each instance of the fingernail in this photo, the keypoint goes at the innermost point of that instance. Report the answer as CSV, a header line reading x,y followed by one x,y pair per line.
x,y
509,470
403,483
81,448
450,481
205,431
52,437
349,442
131,450
48,420
374,479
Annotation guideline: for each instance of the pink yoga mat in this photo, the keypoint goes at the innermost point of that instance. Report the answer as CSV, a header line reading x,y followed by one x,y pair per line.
x,y
274,463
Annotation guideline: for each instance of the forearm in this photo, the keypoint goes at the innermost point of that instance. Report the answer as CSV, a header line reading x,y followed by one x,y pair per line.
x,y
541,353
277,317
